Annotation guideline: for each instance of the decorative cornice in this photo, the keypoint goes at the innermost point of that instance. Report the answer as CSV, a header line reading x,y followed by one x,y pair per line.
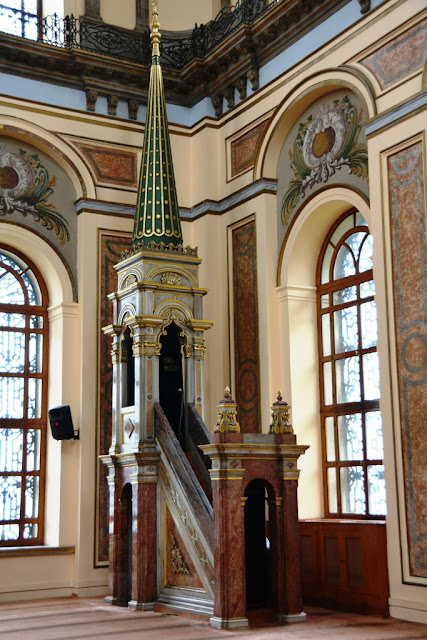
x,y
212,61
213,207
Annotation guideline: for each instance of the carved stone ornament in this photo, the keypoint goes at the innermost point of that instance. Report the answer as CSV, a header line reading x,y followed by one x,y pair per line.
x,y
199,351
188,350
280,417
177,561
227,415
129,281
169,277
152,348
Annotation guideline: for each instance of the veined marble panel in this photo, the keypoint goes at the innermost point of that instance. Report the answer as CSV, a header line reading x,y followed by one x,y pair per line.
x,y
409,252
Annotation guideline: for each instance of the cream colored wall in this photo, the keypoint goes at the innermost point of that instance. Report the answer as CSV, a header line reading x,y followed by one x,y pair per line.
x,y
118,13
183,15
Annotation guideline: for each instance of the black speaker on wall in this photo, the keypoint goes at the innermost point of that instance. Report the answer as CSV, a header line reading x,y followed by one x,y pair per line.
x,y
61,423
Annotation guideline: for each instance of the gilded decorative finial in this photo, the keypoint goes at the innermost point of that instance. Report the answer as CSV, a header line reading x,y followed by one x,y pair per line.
x,y
281,421
227,415
155,26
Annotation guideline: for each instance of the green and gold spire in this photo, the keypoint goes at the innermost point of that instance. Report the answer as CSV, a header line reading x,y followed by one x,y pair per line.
x,y
157,213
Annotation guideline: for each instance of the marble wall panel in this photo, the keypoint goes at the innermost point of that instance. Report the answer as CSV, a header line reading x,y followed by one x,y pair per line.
x,y
244,149
111,166
246,349
409,252
399,58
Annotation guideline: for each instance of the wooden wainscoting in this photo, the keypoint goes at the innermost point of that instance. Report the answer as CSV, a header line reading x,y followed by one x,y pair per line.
x,y
344,565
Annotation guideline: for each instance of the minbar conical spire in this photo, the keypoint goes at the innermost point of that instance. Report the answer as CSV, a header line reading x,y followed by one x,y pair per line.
x,y
157,213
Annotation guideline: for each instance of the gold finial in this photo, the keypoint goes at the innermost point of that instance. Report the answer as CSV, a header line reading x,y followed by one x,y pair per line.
x,y
155,25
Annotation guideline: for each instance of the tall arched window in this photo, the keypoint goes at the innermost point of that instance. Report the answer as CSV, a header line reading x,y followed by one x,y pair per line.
x,y
349,373
23,399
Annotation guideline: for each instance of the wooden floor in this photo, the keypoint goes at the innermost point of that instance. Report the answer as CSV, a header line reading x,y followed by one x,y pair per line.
x,y
78,619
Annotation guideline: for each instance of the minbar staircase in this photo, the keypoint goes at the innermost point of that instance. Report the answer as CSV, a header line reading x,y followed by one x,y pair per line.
x,y
186,544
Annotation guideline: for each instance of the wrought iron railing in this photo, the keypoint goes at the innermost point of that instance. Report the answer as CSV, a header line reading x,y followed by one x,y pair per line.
x,y
176,52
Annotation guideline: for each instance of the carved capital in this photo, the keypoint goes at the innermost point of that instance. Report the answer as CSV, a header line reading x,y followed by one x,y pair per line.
x,y
152,348
199,351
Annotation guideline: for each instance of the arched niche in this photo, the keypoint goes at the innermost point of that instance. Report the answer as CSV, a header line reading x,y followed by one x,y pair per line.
x,y
296,102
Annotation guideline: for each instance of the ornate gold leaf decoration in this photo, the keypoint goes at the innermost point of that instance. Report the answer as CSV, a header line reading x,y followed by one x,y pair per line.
x,y
177,561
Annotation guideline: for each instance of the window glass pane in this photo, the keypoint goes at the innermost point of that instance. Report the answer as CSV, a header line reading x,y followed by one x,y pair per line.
x,y
33,449
13,320
12,351
355,241
12,398
35,353
348,380
11,289
344,264
15,4
374,436
330,439
367,289
34,398
32,497
376,490
365,258
368,318
371,376
332,490
350,437
10,497
36,322
324,301
30,530
10,21
345,295
30,6
342,228
30,28
327,382
9,531
326,334
326,264
33,288
11,445
346,330
352,490
360,220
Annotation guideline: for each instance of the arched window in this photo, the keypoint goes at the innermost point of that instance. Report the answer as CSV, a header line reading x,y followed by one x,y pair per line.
x,y
23,399
349,373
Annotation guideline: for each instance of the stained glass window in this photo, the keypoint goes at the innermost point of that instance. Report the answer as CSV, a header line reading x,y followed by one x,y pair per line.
x,y
353,447
23,389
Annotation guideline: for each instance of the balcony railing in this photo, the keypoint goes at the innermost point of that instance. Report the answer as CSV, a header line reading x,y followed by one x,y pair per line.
x,y
134,46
